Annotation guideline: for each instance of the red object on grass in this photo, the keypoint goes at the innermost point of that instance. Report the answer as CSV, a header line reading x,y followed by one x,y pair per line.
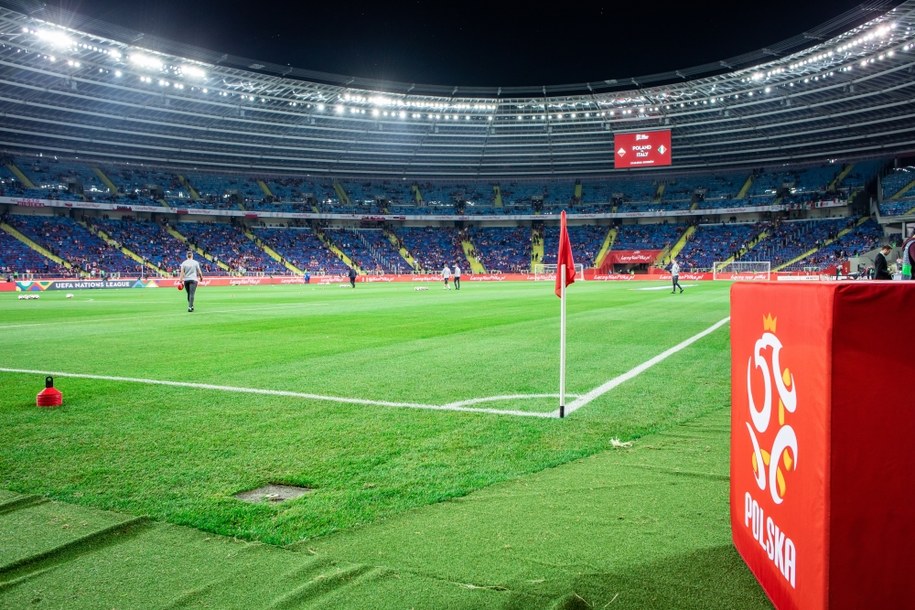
x,y
49,396
180,286
564,257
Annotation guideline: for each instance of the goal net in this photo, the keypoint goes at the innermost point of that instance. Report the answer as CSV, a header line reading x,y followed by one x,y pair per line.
x,y
742,270
544,272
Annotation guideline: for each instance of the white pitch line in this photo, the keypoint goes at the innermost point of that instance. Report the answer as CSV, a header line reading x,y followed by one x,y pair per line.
x,y
461,405
600,391
227,388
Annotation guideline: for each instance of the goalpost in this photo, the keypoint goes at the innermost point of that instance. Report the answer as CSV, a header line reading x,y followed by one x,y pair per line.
x,y
742,270
544,272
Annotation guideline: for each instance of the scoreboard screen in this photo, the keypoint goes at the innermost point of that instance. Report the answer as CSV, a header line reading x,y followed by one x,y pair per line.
x,y
641,149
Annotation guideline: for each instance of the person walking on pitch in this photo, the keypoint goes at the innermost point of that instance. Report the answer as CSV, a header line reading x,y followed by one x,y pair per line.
x,y
675,275
191,274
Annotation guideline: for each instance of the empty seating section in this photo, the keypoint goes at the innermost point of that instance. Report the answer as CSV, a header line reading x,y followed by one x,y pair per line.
x,y
74,180
634,195
502,249
898,192
861,173
218,192
711,243
433,247
558,193
51,180
301,247
77,180
596,196
720,190
72,242
230,246
679,193
897,180
148,240
146,185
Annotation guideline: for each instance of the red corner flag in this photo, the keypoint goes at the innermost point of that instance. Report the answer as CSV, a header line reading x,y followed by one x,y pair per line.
x,y
564,257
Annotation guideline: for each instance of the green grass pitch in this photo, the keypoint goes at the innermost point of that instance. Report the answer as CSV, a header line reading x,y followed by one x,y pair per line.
x,y
179,454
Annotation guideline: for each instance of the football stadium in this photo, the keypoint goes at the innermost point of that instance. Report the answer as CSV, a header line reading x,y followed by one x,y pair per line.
x,y
278,338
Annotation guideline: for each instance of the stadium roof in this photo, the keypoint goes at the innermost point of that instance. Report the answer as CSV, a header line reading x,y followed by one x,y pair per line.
x,y
841,91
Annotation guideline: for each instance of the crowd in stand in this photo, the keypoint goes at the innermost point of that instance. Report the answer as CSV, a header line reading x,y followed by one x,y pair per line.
x,y
302,248
231,248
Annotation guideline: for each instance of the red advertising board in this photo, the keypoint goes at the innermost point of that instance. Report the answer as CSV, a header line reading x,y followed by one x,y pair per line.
x,y
641,149
632,257
821,458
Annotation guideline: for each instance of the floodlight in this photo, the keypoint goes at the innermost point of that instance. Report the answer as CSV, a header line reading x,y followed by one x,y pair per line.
x,y
146,61
55,38
192,71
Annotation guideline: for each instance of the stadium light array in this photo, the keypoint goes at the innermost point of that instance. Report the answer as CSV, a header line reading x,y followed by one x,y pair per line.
x,y
192,71
143,60
55,38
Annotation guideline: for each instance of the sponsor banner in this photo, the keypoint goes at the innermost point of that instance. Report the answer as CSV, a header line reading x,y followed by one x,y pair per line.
x,y
42,285
641,149
794,277
743,276
821,460
589,274
632,256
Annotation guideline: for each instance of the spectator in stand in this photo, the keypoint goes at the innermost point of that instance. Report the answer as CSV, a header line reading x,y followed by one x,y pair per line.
x,y
881,268
457,277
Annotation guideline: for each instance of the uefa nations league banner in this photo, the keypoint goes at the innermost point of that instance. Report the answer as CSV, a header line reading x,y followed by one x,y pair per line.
x,y
822,423
78,284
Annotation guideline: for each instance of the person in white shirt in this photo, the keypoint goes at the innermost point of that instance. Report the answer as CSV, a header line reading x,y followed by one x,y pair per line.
x,y
446,274
457,277
191,274
675,275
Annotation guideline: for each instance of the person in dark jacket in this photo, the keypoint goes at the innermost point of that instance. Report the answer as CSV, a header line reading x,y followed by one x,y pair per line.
x,y
881,267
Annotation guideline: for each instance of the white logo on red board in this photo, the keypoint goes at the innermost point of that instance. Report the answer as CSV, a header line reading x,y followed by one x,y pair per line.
x,y
772,461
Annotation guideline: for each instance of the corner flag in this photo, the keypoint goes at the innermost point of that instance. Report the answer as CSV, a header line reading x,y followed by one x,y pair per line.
x,y
564,259
565,275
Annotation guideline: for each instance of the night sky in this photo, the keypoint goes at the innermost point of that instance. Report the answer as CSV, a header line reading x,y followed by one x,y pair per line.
x,y
466,44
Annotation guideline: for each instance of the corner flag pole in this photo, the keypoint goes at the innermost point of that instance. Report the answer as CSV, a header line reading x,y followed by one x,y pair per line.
x,y
562,343
564,262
